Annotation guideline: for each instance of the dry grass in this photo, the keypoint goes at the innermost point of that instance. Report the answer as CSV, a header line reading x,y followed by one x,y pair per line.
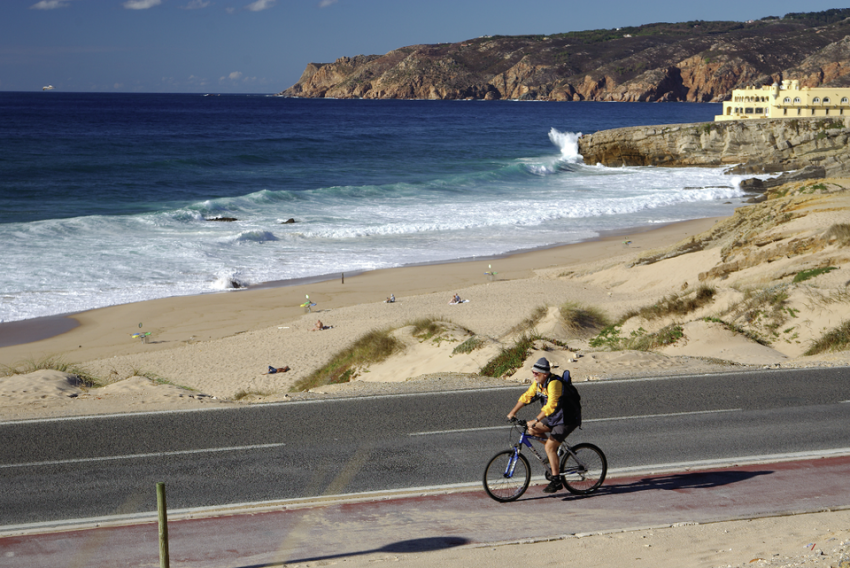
x,y
529,323
53,363
836,339
675,305
373,347
839,231
578,318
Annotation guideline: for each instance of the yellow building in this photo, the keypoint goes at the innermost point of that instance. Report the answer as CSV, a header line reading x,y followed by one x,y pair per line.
x,y
787,100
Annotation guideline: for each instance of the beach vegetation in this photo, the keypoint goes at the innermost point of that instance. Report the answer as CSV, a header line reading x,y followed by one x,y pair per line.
x,y
804,275
469,345
242,393
53,363
373,347
511,358
608,337
674,305
426,328
836,339
578,318
739,330
157,379
840,232
637,340
529,323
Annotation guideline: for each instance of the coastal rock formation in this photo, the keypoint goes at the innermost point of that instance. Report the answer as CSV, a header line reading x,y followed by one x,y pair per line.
x,y
751,146
692,61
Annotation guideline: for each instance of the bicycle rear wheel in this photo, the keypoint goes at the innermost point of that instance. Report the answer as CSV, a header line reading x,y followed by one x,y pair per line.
x,y
506,476
587,474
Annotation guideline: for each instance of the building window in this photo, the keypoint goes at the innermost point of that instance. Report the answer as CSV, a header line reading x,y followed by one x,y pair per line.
x,y
844,101
748,111
816,100
759,110
785,111
728,111
813,112
826,100
798,111
787,100
827,112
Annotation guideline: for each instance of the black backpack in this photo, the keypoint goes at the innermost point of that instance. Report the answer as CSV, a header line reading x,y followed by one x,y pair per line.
x,y
572,400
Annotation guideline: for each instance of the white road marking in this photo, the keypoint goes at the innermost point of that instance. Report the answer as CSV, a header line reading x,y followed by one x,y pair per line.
x,y
583,421
366,496
142,456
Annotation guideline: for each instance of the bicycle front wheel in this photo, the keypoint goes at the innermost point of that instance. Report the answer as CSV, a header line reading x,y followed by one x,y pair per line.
x,y
584,472
506,476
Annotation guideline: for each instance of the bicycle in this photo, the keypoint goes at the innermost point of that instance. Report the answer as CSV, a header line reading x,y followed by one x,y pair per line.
x,y
508,473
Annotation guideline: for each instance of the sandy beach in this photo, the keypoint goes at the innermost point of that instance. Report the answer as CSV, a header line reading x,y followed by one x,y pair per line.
x,y
216,349
219,347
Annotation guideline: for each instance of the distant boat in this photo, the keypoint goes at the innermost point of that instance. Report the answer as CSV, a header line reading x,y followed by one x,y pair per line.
x,y
48,88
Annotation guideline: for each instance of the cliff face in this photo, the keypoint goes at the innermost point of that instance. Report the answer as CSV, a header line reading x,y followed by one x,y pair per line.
x,y
754,146
693,61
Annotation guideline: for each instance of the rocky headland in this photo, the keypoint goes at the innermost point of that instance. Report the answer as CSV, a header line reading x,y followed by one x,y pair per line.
x,y
816,145
692,61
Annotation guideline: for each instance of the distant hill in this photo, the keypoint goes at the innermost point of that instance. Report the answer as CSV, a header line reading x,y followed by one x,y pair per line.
x,y
691,61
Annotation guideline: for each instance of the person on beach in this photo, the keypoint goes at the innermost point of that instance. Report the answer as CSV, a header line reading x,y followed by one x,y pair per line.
x,y
560,415
319,326
391,299
456,299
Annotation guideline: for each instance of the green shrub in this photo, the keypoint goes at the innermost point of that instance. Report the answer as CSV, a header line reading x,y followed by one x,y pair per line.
x,y
676,304
808,274
509,359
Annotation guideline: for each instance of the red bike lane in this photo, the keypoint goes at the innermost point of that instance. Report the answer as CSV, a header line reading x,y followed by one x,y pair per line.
x,y
434,521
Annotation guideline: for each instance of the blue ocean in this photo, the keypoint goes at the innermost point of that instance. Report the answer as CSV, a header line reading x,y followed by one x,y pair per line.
x,y
107,198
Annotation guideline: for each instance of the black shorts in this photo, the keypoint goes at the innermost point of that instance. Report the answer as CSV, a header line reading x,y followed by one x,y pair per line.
x,y
559,431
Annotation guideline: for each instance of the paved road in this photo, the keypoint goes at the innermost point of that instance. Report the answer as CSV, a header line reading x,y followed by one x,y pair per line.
x,y
391,528
101,466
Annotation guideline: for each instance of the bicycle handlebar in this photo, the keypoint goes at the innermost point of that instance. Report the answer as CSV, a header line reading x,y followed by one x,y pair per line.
x,y
518,421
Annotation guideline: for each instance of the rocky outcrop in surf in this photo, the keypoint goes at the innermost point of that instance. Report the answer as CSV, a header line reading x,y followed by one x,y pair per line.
x,y
747,146
692,61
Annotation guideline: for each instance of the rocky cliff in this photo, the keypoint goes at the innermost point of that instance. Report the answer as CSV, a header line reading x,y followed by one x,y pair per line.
x,y
692,61
751,146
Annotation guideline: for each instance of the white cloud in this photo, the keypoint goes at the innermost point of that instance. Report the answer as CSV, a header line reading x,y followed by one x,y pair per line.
x,y
326,3
49,5
230,10
196,4
141,4
260,5
233,76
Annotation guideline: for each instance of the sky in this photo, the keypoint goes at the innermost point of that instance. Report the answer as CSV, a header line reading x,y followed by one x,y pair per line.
x,y
263,46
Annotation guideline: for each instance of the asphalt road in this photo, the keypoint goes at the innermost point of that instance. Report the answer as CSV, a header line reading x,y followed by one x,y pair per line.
x,y
99,466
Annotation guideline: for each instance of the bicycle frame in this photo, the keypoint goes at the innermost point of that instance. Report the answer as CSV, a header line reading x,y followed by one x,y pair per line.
x,y
525,440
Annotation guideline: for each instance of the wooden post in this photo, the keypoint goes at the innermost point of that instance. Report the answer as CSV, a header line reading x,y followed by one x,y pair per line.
x,y
163,525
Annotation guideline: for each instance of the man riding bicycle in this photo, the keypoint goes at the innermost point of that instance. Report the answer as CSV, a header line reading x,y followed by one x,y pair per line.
x,y
560,415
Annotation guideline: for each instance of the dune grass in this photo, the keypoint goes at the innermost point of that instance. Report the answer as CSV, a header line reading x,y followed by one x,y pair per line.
x,y
373,347
638,340
675,305
53,363
841,232
804,275
836,339
510,358
580,318
531,321
469,345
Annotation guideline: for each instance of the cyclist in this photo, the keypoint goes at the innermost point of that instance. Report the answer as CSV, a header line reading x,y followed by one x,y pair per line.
x,y
560,415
